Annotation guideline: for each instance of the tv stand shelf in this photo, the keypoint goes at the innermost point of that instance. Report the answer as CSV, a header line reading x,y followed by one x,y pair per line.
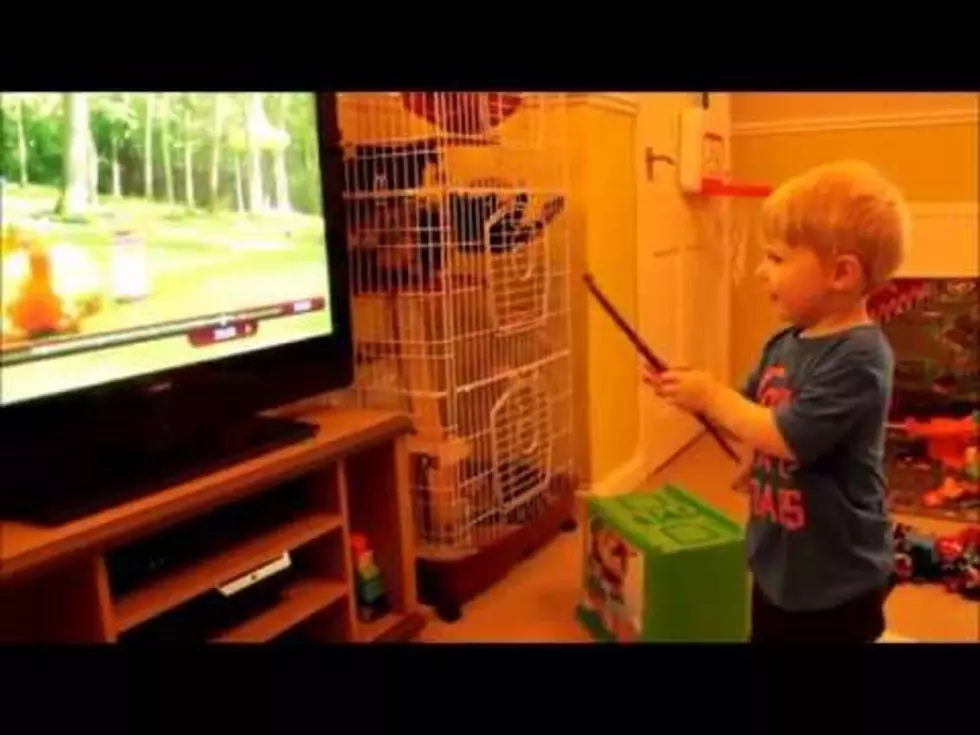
x,y
101,578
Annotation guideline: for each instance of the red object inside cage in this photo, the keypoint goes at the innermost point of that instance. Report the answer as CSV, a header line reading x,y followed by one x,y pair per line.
x,y
463,113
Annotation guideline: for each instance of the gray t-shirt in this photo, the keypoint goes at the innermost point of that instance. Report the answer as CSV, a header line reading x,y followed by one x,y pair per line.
x,y
819,532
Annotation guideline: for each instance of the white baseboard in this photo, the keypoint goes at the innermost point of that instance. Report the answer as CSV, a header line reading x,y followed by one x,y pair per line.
x,y
887,637
625,478
620,103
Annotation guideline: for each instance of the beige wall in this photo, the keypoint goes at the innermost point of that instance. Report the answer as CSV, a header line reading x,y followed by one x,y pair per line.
x,y
926,142
603,242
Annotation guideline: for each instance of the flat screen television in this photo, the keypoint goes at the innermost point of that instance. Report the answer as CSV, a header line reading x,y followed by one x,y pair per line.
x,y
174,264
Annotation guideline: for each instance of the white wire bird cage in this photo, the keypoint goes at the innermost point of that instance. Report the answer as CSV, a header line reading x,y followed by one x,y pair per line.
x,y
460,279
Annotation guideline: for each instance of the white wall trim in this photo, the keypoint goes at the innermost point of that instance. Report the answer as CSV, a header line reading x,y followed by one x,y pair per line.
x,y
911,119
888,637
945,240
624,479
617,102
964,209
627,477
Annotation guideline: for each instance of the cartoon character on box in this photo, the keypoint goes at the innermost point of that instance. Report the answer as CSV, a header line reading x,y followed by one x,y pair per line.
x,y
613,571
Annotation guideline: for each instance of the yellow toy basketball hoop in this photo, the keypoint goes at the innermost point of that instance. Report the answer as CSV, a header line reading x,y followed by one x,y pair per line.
x,y
728,224
727,217
725,213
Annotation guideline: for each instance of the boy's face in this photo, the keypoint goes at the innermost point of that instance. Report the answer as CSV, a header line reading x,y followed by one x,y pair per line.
x,y
797,282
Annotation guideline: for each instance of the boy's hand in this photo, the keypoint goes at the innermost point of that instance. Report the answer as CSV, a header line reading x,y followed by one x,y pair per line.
x,y
689,390
743,478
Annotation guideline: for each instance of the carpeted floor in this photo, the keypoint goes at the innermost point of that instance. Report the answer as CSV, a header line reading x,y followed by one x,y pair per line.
x,y
536,602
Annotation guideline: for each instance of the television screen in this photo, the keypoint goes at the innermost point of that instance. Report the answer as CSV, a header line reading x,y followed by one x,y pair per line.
x,y
144,232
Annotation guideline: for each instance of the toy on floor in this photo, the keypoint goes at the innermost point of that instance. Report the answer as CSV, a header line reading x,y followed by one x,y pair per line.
x,y
952,443
663,566
372,599
948,439
953,561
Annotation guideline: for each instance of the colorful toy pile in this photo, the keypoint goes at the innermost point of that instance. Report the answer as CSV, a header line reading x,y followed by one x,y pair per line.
x,y
952,444
897,297
953,561
933,445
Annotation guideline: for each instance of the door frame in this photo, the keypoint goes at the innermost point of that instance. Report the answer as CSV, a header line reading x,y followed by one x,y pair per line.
x,y
658,444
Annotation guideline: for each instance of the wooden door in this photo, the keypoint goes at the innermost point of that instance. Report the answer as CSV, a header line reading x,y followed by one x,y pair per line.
x,y
684,281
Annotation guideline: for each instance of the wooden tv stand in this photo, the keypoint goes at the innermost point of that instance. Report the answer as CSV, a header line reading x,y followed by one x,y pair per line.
x,y
63,584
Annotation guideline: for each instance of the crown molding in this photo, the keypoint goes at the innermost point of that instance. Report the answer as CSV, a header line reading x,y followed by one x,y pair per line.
x,y
618,102
911,119
965,210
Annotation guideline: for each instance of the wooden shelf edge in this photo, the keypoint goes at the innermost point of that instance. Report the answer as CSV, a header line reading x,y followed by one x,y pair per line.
x,y
314,600
28,547
391,628
301,601
185,584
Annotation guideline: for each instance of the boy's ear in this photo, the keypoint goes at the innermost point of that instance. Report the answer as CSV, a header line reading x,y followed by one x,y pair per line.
x,y
848,272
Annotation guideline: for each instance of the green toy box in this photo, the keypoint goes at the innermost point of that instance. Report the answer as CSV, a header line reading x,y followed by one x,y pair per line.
x,y
664,566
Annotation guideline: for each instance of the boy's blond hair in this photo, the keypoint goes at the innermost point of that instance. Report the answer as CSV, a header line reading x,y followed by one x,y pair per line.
x,y
846,207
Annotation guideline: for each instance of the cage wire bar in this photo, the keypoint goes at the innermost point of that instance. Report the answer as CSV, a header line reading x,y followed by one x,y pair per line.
x,y
460,275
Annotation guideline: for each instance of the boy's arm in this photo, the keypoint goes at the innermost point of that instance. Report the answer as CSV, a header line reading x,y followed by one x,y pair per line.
x,y
823,411
744,472
750,387
753,424
748,391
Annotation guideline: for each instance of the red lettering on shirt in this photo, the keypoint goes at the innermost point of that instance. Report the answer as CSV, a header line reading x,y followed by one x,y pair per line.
x,y
772,496
780,505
